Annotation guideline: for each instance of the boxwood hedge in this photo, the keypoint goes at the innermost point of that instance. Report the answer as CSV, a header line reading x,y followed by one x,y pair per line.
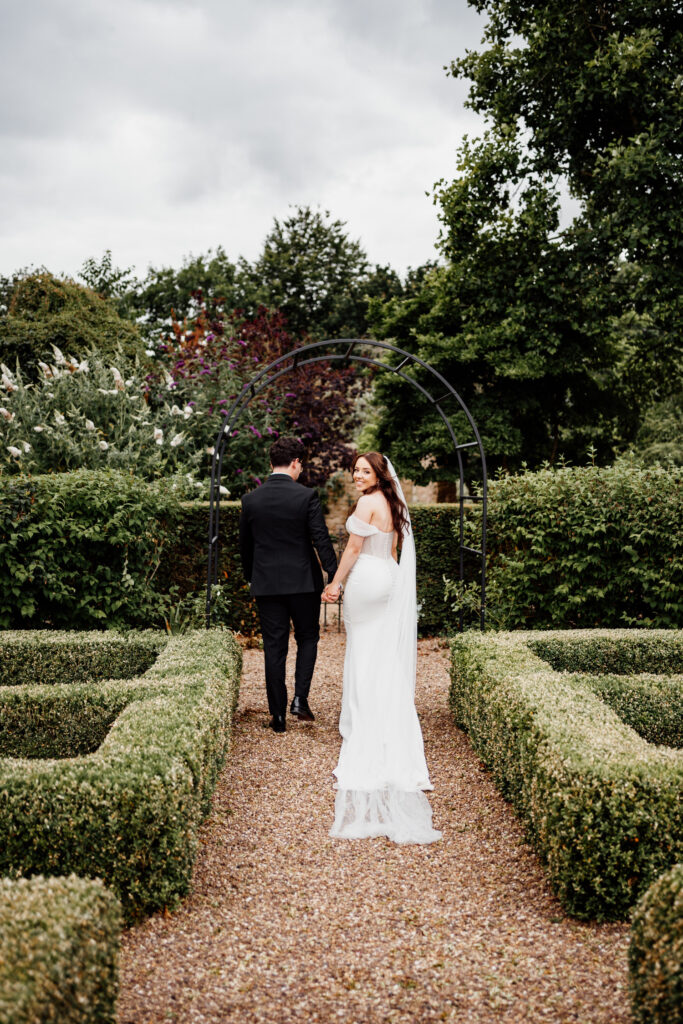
x,y
49,656
59,943
128,811
656,952
601,804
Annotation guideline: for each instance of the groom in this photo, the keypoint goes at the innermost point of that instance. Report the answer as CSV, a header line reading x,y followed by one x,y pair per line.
x,y
280,526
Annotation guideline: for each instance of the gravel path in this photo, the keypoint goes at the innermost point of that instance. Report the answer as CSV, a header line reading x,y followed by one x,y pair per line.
x,y
287,925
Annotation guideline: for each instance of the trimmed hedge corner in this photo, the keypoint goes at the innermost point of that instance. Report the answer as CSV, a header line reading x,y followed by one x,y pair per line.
x,y
129,811
59,944
655,952
49,656
601,805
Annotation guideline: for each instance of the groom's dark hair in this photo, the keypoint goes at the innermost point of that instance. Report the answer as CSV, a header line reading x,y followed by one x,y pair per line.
x,y
285,450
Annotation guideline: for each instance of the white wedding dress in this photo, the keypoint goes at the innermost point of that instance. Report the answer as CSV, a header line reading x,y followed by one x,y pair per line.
x,y
382,772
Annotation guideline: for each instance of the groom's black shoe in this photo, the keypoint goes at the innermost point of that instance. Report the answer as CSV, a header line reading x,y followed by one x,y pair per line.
x,y
301,709
278,723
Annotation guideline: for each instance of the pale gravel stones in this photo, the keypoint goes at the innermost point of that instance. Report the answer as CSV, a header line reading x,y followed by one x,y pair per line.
x,y
288,926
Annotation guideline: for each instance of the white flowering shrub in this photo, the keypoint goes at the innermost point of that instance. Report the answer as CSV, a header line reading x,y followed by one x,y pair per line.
x,y
93,412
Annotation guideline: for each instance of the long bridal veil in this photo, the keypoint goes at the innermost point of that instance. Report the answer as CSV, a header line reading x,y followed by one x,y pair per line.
x,y
382,771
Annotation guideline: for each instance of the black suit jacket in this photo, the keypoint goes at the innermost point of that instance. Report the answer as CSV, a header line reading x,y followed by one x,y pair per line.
x,y
280,525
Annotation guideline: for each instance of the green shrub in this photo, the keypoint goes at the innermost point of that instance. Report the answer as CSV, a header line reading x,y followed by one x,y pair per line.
x,y
584,547
655,952
45,310
83,549
128,812
48,656
59,943
601,805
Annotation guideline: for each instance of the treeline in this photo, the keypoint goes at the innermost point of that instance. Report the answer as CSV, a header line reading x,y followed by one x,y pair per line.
x,y
559,339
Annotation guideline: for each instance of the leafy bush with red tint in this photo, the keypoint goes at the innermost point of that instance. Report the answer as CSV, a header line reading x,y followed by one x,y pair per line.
x,y
214,356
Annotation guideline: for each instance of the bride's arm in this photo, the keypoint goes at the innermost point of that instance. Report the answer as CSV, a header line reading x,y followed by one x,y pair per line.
x,y
364,509
346,564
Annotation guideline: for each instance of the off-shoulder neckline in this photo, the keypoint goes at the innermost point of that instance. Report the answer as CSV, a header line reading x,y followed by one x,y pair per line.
x,y
385,532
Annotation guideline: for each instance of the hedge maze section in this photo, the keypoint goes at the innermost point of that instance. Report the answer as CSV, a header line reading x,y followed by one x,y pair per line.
x,y
128,811
569,747
52,656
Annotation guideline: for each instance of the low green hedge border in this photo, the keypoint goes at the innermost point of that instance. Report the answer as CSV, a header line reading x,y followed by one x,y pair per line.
x,y
617,651
64,719
655,952
129,812
601,805
651,704
49,656
59,944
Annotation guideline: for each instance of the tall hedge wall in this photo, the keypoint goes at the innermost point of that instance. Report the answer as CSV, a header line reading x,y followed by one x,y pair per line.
x,y
585,547
436,554
568,548
83,550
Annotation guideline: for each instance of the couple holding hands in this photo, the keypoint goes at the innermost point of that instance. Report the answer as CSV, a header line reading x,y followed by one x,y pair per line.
x,y
381,774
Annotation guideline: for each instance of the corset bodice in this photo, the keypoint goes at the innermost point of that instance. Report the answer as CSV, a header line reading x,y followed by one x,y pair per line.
x,y
375,542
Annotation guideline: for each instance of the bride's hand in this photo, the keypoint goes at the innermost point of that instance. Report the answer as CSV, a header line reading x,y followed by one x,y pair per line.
x,y
331,593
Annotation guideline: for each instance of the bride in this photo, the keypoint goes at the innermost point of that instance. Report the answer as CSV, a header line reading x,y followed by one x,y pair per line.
x,y
381,773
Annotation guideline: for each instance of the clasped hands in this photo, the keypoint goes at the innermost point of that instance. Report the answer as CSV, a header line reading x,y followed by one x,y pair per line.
x,y
331,593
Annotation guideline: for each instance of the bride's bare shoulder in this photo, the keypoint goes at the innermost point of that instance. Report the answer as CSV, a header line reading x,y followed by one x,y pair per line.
x,y
365,507
375,509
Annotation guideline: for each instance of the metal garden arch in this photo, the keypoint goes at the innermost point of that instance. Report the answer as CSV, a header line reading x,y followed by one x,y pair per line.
x,y
353,351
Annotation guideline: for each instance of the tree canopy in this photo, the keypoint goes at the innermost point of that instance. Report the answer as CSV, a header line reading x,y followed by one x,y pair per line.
x,y
555,336
42,311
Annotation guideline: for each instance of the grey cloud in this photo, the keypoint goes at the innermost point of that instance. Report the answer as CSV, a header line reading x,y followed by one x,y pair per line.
x,y
141,106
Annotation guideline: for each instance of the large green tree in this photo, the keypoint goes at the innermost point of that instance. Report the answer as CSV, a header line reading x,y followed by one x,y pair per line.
x,y
167,292
556,336
40,311
314,273
309,269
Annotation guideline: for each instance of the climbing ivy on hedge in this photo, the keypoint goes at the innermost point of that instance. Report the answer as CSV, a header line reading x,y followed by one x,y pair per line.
x,y
83,549
584,547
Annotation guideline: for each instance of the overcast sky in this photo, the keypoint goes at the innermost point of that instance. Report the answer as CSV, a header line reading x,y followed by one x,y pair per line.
x,y
159,128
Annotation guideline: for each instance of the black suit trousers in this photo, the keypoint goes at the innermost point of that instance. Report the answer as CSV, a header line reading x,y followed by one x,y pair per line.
x,y
275,613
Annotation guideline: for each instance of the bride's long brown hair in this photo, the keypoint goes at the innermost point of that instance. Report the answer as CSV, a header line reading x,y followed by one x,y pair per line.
x,y
385,484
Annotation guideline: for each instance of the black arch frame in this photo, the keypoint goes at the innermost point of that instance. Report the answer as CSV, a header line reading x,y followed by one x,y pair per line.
x,y
293,360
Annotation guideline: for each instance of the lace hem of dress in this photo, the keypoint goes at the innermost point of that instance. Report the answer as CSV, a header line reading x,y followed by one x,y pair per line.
x,y
404,817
